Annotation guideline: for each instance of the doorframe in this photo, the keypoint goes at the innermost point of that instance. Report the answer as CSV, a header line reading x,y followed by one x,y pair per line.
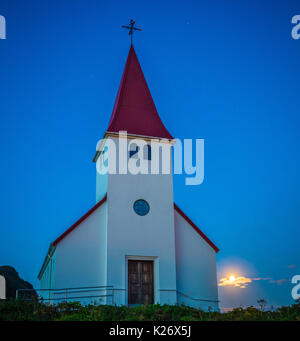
x,y
155,260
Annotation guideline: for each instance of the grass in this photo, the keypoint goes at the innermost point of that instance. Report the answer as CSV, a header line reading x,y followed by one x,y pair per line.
x,y
18,310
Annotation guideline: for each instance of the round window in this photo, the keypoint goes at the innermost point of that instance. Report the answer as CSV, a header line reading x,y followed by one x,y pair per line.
x,y
141,207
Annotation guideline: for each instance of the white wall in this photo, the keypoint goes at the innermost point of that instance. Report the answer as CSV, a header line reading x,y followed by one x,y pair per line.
x,y
152,235
81,257
195,267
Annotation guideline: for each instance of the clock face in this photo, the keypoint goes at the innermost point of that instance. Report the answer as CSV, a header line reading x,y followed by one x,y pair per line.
x,y
141,207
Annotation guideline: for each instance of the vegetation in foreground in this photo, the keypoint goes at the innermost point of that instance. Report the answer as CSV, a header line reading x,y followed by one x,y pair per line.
x,y
18,310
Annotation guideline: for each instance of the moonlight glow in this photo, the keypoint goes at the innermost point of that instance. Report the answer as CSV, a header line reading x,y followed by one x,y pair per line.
x,y
231,280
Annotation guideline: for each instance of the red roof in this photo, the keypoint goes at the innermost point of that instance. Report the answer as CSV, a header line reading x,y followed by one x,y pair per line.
x,y
134,110
196,228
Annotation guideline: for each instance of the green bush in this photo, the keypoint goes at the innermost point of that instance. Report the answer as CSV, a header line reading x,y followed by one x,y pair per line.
x,y
18,310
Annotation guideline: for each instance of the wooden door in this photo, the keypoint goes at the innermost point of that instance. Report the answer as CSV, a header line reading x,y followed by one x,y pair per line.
x,y
140,282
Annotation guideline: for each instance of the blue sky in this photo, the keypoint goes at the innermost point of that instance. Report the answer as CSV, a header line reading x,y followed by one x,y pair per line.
x,y
226,71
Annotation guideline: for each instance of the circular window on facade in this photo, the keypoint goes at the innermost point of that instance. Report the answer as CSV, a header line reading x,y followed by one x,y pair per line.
x,y
141,207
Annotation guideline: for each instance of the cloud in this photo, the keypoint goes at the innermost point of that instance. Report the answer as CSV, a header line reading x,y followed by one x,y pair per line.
x,y
279,281
292,266
240,281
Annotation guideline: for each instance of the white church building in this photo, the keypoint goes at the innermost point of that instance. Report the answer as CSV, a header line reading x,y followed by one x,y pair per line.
x,y
135,246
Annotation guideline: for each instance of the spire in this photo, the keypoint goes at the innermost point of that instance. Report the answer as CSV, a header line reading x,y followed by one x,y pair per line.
x,y
134,110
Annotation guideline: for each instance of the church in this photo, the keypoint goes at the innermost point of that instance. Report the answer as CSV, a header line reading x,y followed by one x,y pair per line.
x,y
135,245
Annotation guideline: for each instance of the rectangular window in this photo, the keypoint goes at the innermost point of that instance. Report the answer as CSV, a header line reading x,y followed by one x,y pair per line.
x,y
149,152
146,152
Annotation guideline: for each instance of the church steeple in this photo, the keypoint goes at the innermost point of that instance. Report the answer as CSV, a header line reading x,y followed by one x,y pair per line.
x,y
134,110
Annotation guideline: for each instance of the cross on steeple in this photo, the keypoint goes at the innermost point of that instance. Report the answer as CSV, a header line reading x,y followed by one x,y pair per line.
x,y
131,29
